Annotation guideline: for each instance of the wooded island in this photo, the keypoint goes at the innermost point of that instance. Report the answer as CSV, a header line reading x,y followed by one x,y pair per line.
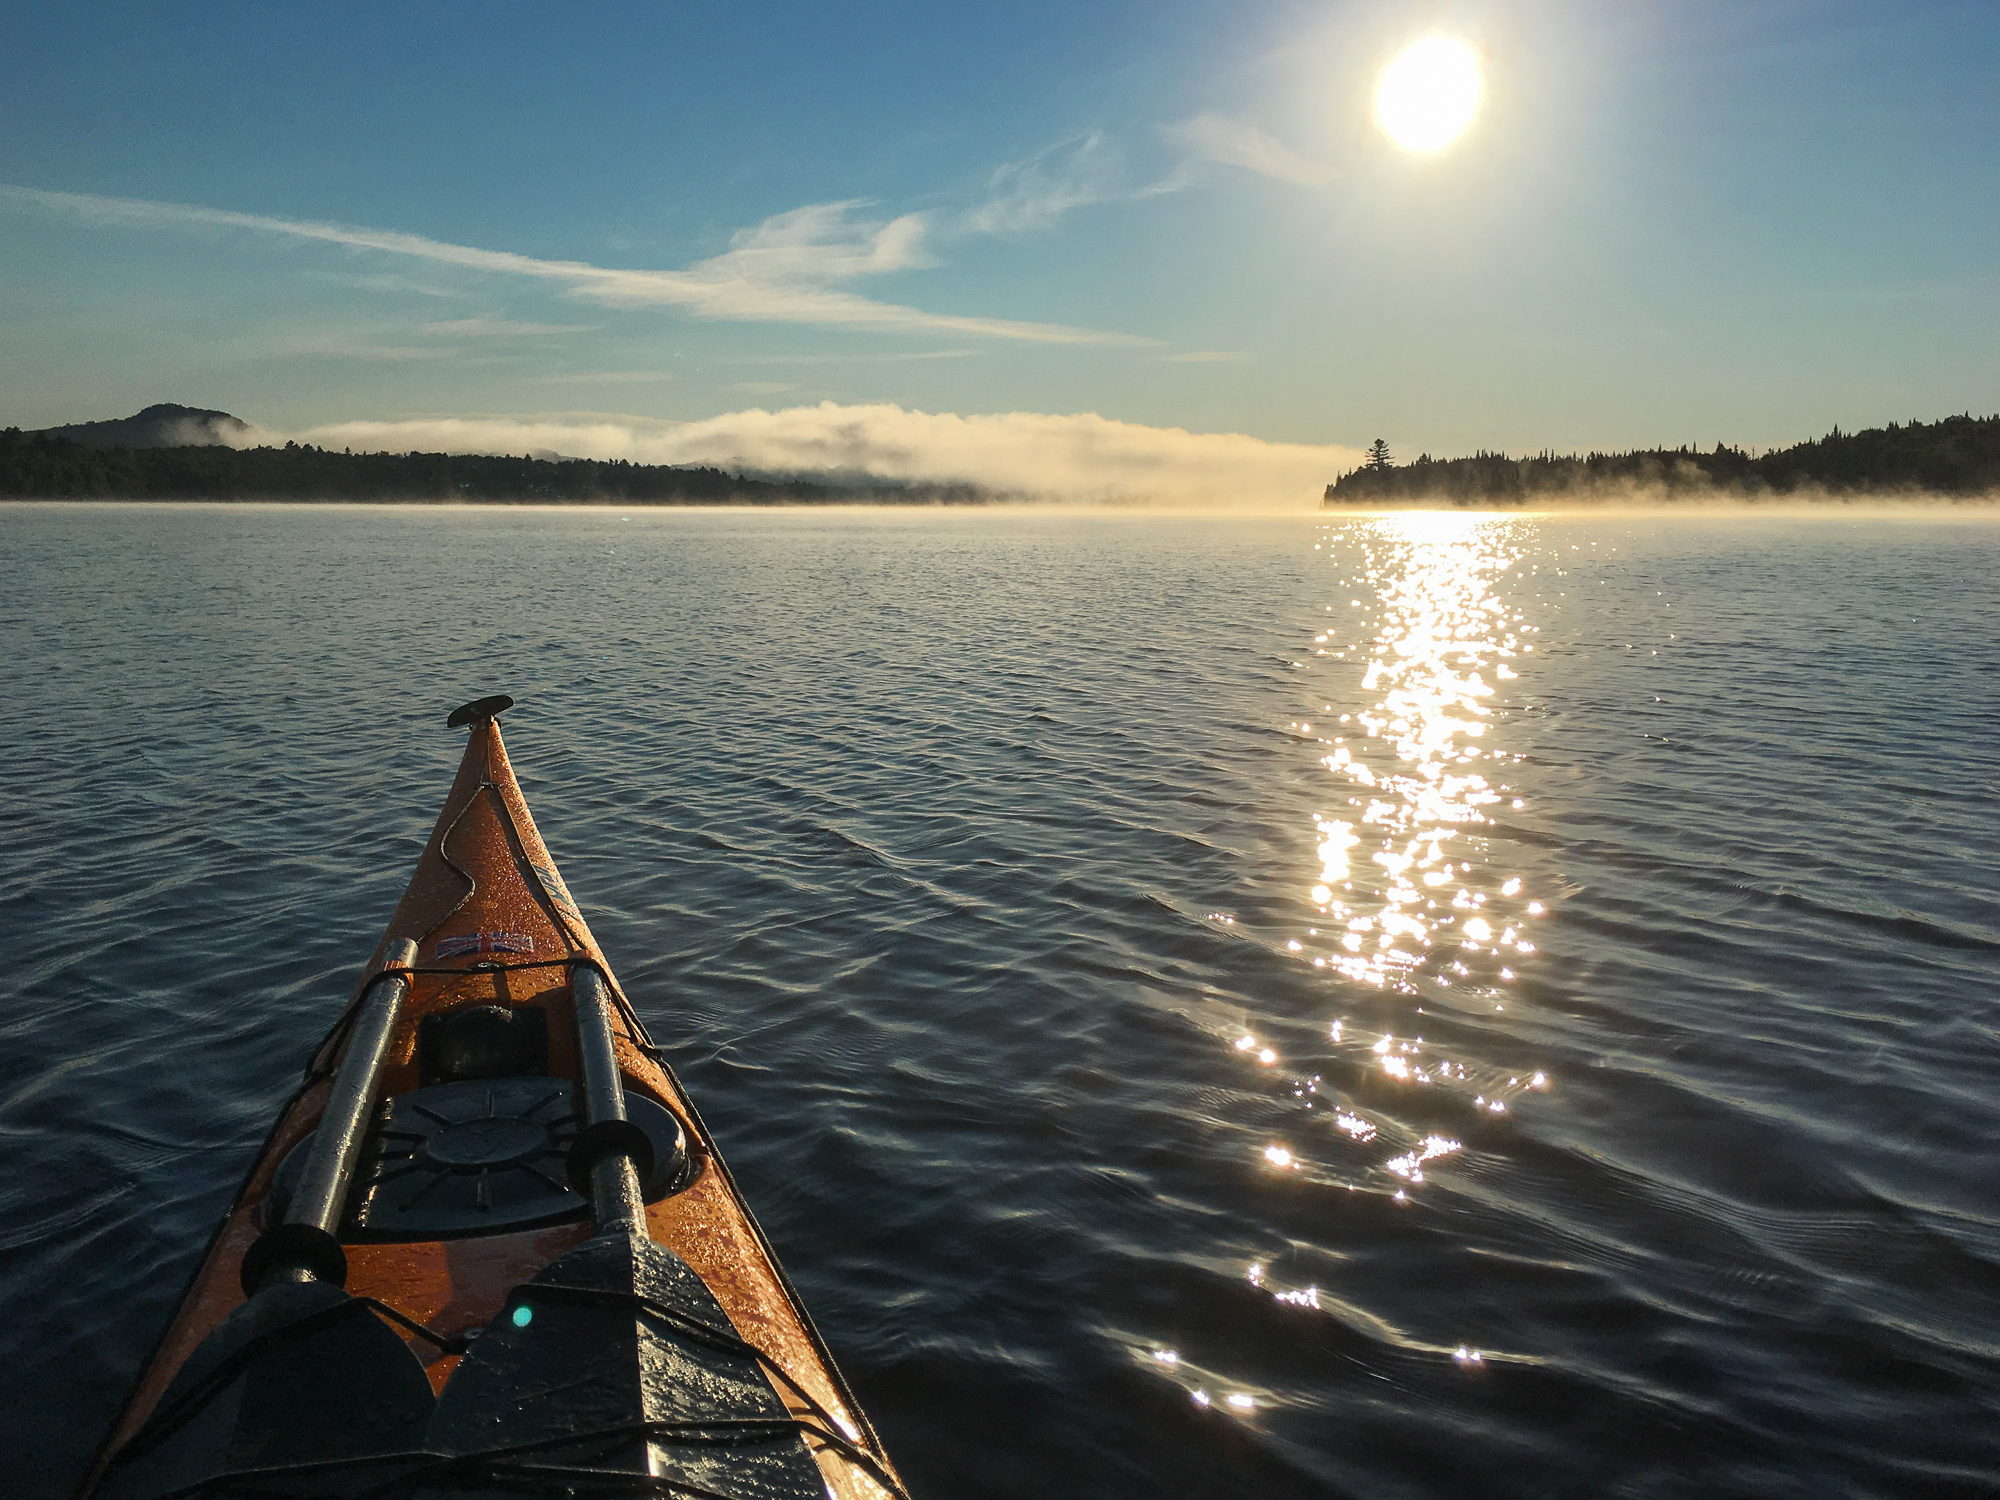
x,y
1958,457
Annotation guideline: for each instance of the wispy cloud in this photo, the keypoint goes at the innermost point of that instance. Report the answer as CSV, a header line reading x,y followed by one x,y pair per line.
x,y
890,356
1065,457
785,270
607,377
359,348
488,328
1032,194
1213,137
386,281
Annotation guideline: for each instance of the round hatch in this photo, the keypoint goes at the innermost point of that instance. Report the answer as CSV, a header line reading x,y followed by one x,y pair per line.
x,y
477,1156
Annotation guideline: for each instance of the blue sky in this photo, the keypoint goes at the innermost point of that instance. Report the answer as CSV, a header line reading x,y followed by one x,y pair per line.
x,y
1675,222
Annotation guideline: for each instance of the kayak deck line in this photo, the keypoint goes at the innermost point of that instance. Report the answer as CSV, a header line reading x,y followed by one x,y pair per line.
x,y
513,1187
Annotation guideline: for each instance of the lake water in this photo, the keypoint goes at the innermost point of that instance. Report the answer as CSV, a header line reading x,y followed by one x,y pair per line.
x,y
1419,1006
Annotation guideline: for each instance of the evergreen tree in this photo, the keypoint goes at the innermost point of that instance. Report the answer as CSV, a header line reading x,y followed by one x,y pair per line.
x,y
1378,455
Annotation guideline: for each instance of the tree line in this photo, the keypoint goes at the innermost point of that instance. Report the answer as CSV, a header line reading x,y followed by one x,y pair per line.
x,y
1957,456
36,466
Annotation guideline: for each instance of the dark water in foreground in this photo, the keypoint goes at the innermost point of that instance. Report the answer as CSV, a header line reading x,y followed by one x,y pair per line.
x,y
1568,1071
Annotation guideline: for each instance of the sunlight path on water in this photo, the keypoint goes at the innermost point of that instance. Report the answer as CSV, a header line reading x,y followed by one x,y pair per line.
x,y
1400,861
1415,922
1418,615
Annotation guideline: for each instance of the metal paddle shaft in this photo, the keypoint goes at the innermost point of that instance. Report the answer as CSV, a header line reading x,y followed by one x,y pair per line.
x,y
611,1152
305,1246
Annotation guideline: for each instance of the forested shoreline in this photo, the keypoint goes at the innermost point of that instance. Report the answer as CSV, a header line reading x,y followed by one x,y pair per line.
x,y
1956,458
38,466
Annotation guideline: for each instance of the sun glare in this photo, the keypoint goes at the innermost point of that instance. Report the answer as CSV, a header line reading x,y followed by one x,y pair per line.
x,y
1429,94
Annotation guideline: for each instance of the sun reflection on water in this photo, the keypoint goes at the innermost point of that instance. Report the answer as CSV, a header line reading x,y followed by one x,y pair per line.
x,y
1406,902
1396,873
1406,894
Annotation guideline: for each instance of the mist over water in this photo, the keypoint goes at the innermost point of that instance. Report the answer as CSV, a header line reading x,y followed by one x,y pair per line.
x,y
1333,1005
1018,455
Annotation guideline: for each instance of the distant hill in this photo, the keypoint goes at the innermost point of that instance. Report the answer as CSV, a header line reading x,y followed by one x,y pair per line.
x,y
1955,457
163,426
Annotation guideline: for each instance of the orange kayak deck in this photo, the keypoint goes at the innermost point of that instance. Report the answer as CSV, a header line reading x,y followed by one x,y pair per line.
x,y
495,926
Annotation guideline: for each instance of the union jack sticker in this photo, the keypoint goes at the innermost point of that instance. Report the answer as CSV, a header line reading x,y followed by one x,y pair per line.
x,y
485,942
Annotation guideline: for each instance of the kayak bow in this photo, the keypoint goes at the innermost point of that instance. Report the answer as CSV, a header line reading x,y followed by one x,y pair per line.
x,y
489,1247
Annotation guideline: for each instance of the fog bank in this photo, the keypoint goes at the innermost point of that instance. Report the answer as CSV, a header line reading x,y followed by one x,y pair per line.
x,y
1024,455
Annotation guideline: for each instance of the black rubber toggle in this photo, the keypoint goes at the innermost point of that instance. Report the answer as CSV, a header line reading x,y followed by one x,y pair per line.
x,y
479,708
606,1138
302,1247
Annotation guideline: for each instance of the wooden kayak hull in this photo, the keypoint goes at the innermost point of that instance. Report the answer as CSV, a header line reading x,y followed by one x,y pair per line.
x,y
495,925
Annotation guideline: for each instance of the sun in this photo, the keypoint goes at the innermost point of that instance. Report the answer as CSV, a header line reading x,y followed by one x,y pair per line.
x,y
1429,94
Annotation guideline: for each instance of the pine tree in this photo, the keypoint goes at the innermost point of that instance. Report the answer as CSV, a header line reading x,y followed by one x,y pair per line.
x,y
1378,455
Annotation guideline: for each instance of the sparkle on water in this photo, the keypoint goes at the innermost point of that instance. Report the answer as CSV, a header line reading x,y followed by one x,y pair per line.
x,y
1396,870
1405,900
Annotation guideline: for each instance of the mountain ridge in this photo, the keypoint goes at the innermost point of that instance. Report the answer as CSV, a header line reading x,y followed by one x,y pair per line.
x,y
164,424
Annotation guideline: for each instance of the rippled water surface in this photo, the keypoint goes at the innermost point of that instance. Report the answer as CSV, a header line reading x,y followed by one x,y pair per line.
x,y
1424,1006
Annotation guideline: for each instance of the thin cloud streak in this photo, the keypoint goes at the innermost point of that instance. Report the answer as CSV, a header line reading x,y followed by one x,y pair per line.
x,y
488,328
780,271
895,356
1078,457
1217,138
1031,195
607,377
337,348
385,281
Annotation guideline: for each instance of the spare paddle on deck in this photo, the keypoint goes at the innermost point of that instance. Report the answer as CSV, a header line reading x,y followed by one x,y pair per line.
x,y
304,1247
611,1155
